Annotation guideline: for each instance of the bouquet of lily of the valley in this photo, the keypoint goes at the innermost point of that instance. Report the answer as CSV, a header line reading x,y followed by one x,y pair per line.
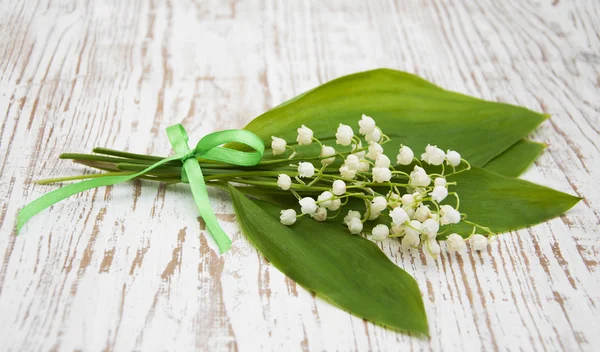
x,y
375,156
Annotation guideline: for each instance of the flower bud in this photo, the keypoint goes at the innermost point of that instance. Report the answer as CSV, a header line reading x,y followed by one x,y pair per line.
x,y
455,243
288,217
453,158
408,200
306,169
327,151
380,232
478,242
339,187
278,145
307,205
366,124
364,166
305,135
284,182
405,156
344,135
355,226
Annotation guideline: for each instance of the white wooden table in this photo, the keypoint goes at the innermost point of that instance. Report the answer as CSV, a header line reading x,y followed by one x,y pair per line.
x,y
128,268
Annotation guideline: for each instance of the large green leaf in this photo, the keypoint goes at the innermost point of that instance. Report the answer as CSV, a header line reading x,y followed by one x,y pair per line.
x,y
505,204
409,109
347,270
516,159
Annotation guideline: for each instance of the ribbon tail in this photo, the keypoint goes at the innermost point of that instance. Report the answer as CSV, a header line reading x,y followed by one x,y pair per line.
x,y
47,200
198,187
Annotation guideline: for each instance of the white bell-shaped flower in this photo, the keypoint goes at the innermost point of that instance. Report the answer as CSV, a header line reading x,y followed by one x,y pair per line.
x,y
366,124
305,135
433,247
408,200
361,154
439,193
347,173
325,199
320,214
325,152
440,181
338,187
405,156
375,149
352,162
344,135
278,145
380,232
399,216
352,214
381,174
430,228
355,226
397,230
452,157
378,204
284,182
306,169
382,161
419,178
410,240
307,205
456,243
335,204
449,215
364,166
374,136
433,155
422,213
414,228
288,217
478,242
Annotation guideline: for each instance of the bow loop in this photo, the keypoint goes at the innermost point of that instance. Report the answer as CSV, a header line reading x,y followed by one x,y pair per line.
x,y
209,148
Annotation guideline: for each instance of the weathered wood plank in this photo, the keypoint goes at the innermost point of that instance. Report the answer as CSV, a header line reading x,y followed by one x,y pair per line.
x,y
127,268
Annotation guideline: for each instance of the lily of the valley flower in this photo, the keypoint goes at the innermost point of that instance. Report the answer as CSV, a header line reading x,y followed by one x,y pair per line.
x,y
478,242
306,169
456,243
344,135
339,187
288,217
278,145
433,155
325,152
452,157
305,136
366,124
307,205
284,182
380,232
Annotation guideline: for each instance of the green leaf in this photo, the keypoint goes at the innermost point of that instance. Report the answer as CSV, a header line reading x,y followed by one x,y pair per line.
x,y
407,108
505,204
349,271
516,159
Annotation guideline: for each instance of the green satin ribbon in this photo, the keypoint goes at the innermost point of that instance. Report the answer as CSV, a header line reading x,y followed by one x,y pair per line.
x,y
208,147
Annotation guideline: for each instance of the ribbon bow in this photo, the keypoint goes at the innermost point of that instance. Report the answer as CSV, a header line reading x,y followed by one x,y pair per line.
x,y
209,147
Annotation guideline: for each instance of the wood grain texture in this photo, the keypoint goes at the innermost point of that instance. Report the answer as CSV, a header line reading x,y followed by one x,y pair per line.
x,y
128,267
